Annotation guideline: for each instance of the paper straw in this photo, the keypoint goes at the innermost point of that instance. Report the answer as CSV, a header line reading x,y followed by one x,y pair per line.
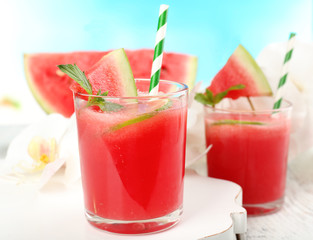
x,y
158,51
284,71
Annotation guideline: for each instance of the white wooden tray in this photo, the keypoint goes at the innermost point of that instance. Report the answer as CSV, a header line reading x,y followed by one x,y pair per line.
x,y
212,210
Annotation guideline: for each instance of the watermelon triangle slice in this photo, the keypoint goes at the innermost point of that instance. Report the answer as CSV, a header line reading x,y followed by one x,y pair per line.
x,y
241,68
111,73
51,87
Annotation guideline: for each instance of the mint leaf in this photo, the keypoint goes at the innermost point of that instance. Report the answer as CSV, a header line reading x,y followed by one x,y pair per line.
x,y
102,94
110,107
209,99
209,94
77,75
218,97
204,99
105,106
95,101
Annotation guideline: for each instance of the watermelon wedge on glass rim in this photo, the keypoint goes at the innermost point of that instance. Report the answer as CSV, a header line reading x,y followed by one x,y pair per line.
x,y
241,68
51,87
111,73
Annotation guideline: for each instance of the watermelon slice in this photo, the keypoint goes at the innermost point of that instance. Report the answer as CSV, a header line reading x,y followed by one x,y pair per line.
x,y
111,73
241,68
51,89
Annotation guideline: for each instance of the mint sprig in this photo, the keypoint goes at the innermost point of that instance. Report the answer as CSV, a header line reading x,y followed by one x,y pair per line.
x,y
79,76
210,99
105,106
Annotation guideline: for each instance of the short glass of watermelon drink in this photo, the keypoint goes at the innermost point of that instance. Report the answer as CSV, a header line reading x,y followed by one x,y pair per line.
x,y
250,148
133,159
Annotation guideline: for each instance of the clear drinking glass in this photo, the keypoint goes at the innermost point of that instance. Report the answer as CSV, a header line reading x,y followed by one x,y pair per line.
x,y
132,159
250,148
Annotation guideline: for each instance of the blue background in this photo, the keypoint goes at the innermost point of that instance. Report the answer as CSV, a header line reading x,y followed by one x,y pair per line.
x,y
209,29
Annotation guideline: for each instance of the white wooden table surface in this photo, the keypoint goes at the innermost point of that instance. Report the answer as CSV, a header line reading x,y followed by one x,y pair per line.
x,y
212,211
295,220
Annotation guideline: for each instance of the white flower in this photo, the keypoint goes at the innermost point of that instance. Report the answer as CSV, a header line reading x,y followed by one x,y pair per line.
x,y
41,150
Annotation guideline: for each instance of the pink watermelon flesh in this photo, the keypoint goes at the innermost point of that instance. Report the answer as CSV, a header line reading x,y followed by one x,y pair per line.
x,y
51,87
241,68
111,73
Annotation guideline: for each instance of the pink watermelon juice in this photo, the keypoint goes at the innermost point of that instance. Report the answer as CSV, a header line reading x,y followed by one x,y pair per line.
x,y
250,149
132,162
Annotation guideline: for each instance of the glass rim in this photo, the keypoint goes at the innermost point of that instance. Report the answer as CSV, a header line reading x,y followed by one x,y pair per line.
x,y
261,111
184,88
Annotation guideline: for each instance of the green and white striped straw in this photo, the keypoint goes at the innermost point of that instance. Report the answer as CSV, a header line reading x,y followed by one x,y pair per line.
x,y
158,51
284,71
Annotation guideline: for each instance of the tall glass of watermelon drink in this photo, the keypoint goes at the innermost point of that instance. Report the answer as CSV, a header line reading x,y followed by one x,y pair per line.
x,y
250,148
132,160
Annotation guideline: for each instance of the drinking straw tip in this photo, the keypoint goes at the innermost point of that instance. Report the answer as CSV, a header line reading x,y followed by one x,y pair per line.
x,y
292,35
163,7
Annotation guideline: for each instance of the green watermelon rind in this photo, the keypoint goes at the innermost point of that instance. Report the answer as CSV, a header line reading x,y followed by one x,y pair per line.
x,y
129,84
35,91
125,80
254,70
